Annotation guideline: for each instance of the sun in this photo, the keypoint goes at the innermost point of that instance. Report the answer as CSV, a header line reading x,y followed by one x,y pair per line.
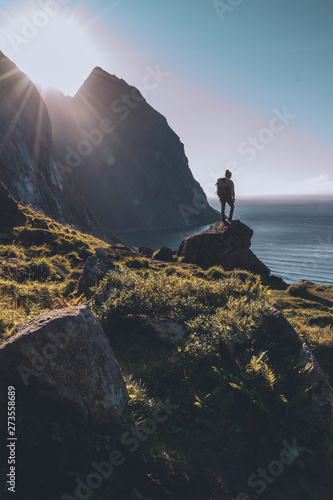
x,y
52,47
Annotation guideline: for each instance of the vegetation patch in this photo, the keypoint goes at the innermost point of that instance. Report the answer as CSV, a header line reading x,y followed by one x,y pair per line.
x,y
236,397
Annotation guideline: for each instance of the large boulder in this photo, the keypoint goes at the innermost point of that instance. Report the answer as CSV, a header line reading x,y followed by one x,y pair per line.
x,y
65,355
223,245
288,342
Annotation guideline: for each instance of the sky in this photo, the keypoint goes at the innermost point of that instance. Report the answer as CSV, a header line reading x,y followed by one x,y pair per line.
x,y
245,84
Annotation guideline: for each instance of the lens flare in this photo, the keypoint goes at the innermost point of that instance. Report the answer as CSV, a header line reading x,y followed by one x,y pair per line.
x,y
51,44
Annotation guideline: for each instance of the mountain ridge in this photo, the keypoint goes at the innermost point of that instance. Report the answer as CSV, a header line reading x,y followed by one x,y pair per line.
x,y
27,166
101,160
140,159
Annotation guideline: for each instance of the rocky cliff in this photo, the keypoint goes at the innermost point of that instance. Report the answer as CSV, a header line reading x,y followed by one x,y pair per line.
x,y
132,166
27,166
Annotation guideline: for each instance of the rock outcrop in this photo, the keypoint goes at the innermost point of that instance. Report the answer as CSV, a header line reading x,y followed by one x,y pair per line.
x,y
146,252
131,164
165,254
26,163
166,330
66,356
288,342
95,269
10,213
223,245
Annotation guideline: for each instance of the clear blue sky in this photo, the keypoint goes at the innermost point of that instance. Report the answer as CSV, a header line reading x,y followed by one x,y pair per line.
x,y
247,87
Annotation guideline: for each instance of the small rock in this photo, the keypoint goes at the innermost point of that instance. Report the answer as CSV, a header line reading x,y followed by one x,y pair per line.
x,y
167,330
165,254
85,254
97,266
306,283
147,252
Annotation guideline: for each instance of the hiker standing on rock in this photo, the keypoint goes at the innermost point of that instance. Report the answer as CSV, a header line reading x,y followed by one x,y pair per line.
x,y
226,193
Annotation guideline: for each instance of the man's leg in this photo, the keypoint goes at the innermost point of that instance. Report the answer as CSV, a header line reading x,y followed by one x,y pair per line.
x,y
232,206
223,202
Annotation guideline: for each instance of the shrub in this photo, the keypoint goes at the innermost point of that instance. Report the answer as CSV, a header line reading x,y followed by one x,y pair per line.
x,y
137,262
243,275
215,273
164,296
321,320
298,290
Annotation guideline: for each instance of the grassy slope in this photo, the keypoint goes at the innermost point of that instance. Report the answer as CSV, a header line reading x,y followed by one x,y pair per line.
x,y
236,403
40,267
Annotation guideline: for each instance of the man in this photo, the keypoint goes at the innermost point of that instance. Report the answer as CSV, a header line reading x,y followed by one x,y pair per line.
x,y
226,193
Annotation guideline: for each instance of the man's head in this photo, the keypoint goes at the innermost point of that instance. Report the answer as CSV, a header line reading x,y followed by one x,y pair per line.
x,y
228,174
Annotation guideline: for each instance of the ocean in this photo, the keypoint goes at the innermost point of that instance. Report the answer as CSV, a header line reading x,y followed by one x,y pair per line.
x,y
294,238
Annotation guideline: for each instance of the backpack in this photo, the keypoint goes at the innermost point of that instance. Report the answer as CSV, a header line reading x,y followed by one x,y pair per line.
x,y
220,187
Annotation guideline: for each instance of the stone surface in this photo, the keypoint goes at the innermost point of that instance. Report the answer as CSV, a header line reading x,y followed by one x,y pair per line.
x,y
289,342
223,245
306,282
66,356
146,251
167,330
10,213
165,254
95,269
27,160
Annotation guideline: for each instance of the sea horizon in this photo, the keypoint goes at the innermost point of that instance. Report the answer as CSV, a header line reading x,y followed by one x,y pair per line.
x,y
292,236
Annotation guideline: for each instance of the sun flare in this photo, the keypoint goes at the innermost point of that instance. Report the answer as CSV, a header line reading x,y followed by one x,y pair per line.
x,y
54,51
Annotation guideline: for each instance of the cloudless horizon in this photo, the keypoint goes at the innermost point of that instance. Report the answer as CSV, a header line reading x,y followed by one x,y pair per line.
x,y
246,87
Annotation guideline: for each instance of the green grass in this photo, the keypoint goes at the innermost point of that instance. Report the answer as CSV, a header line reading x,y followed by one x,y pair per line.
x,y
39,269
137,262
234,393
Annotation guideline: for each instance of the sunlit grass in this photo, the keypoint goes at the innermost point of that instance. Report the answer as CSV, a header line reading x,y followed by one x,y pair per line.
x,y
36,277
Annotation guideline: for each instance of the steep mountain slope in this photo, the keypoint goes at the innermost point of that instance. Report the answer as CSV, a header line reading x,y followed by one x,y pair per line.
x,y
27,166
131,164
